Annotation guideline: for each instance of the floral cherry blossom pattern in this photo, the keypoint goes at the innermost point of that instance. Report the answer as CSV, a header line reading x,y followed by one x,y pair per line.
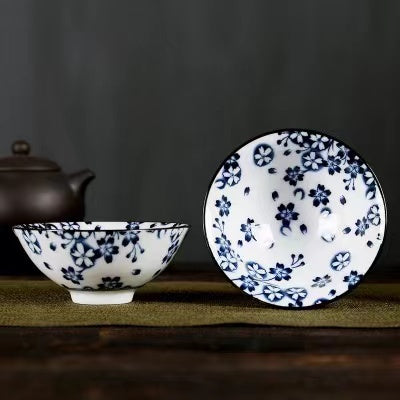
x,y
293,175
110,283
107,248
334,164
295,192
362,225
321,282
373,215
319,142
320,195
247,228
313,161
256,271
340,260
81,256
229,262
263,155
273,293
248,284
353,279
223,205
32,242
295,136
286,214
281,272
71,275
231,173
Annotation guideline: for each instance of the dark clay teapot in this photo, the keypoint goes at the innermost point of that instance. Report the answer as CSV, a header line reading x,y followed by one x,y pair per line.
x,y
35,189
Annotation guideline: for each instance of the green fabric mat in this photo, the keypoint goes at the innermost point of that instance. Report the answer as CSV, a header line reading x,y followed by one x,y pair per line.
x,y
180,303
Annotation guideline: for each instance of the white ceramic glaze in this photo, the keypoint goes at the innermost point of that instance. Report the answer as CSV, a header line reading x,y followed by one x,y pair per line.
x,y
102,297
295,218
101,262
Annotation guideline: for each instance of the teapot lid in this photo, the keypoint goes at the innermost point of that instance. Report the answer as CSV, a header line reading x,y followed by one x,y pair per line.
x,y
22,161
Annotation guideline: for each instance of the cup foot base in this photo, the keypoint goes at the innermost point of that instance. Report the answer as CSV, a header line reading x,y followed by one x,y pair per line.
x,y
99,297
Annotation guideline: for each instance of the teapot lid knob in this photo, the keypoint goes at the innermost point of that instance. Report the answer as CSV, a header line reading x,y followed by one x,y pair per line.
x,y
21,148
22,161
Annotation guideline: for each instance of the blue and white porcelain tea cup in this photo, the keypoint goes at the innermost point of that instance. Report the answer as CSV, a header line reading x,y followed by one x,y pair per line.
x,y
295,218
101,262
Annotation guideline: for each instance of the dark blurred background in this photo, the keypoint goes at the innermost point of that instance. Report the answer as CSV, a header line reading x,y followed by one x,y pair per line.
x,y
152,95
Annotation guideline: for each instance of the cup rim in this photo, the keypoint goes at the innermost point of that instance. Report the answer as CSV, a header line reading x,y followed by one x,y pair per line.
x,y
66,226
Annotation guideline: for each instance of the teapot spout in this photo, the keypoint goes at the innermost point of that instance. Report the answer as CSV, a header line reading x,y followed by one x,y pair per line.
x,y
78,181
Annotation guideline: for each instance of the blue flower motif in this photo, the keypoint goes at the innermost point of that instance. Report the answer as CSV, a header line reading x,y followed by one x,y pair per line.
x,y
281,272
353,278
263,155
273,293
247,283
71,235
130,237
71,275
320,195
319,142
32,242
224,244
70,226
333,164
370,193
83,255
354,168
298,137
223,206
368,177
110,283
256,271
293,175
297,303
247,229
312,160
340,260
321,282
232,161
232,175
229,262
373,215
296,294
286,214
362,226
106,248
132,225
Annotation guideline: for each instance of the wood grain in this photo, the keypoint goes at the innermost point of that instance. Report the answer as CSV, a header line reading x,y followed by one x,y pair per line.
x,y
235,362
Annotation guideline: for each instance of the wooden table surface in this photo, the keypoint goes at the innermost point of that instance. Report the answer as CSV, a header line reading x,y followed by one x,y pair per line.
x,y
234,362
